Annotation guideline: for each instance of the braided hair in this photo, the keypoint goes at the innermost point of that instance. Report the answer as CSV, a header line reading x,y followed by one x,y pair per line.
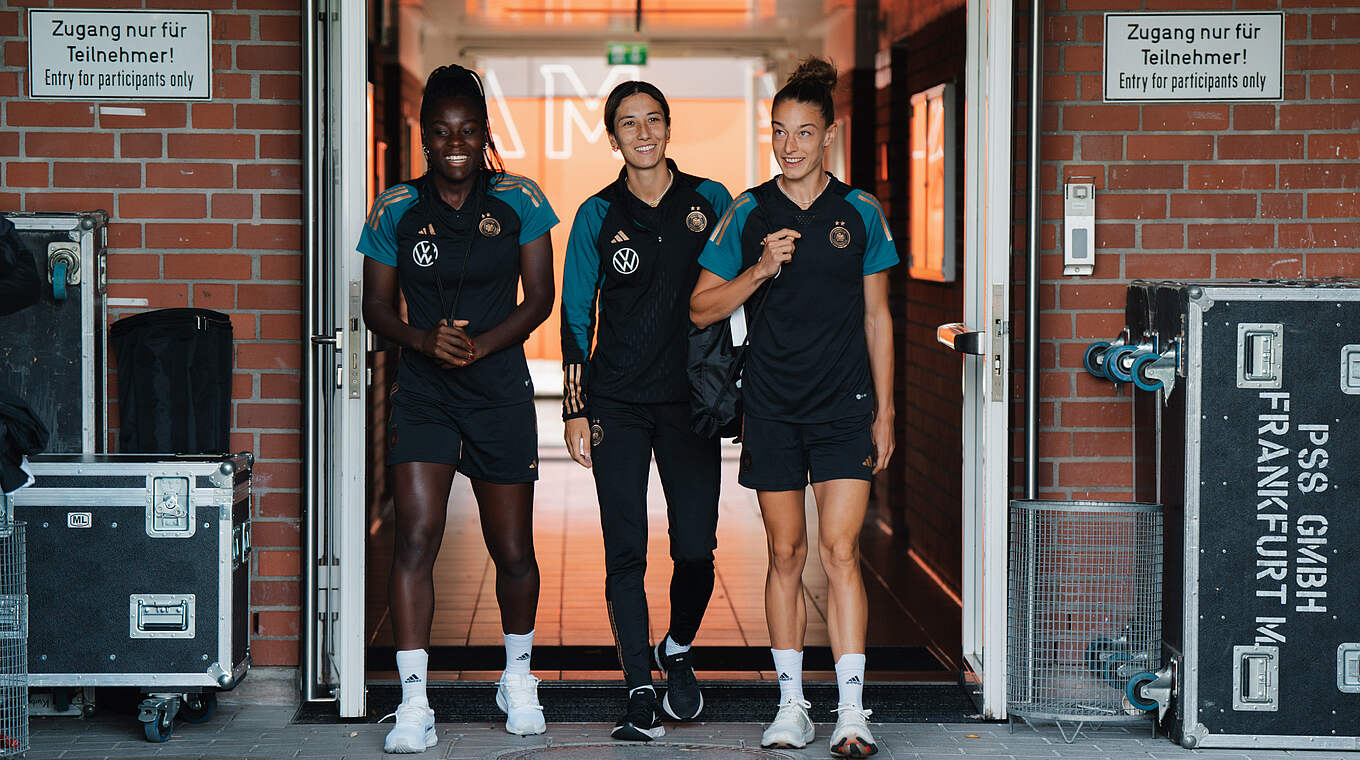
x,y
454,81
814,83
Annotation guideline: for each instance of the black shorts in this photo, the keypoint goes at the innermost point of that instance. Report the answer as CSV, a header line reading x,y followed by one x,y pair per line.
x,y
498,444
786,456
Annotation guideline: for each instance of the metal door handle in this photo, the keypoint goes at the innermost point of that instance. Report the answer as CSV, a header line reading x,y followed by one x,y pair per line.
x,y
960,338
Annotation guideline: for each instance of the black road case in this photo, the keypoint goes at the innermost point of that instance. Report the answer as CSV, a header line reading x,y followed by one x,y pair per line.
x,y
138,570
1259,472
52,353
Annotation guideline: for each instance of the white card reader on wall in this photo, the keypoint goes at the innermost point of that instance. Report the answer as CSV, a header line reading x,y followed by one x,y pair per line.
x,y
1079,226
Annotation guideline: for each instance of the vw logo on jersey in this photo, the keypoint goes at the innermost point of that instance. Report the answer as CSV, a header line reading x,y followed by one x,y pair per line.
x,y
625,261
424,253
840,236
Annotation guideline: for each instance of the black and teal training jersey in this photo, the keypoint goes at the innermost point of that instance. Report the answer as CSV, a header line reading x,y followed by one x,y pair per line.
x,y
411,228
636,266
808,360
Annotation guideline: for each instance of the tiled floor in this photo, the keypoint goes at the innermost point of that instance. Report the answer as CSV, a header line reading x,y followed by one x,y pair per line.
x,y
571,563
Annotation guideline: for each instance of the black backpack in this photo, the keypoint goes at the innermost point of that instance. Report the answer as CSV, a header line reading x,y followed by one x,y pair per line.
x,y
715,368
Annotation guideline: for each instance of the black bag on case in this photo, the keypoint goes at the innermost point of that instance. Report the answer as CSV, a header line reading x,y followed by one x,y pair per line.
x,y
20,283
174,381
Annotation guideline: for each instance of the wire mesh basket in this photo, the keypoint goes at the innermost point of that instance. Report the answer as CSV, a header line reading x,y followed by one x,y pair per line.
x,y
13,642
1084,617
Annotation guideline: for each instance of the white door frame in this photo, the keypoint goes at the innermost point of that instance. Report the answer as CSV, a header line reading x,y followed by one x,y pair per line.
x,y
987,253
339,501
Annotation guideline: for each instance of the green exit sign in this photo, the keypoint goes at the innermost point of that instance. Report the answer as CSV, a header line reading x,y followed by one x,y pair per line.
x,y
626,53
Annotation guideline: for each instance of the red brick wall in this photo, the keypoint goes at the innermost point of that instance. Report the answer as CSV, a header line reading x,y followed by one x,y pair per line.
x,y
205,206
1199,190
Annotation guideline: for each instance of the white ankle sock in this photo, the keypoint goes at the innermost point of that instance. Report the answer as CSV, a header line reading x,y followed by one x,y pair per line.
x,y
789,664
672,648
412,669
518,651
850,679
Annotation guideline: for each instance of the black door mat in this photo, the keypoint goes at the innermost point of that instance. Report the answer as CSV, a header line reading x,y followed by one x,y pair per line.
x,y
897,658
640,751
724,702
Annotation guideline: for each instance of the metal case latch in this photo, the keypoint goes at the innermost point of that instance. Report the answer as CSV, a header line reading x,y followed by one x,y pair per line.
x,y
1260,355
169,507
1350,369
240,545
1348,668
1256,678
13,616
161,616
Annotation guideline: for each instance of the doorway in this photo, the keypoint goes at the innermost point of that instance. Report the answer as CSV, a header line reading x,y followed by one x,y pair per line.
x,y
566,520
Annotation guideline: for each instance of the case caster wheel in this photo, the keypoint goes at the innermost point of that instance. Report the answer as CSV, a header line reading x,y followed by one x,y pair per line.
x,y
1113,663
1134,691
1141,381
160,729
157,715
198,707
1118,362
1094,358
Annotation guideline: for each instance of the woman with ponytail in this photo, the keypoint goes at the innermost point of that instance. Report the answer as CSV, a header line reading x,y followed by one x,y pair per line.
x,y
817,387
457,243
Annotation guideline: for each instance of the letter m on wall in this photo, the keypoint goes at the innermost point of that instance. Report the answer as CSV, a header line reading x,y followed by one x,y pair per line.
x,y
577,109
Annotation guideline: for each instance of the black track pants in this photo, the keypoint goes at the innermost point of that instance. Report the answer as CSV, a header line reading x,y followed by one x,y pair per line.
x,y
689,469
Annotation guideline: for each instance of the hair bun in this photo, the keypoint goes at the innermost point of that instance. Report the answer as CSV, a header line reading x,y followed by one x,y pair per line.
x,y
814,70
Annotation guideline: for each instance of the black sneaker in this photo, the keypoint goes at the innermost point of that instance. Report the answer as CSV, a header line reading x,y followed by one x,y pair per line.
x,y
642,722
683,700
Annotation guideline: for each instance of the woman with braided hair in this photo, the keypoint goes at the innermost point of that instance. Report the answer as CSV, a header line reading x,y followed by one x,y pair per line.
x,y
457,243
817,387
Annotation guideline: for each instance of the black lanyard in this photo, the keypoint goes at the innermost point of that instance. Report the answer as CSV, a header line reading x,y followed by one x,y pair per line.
x,y
441,213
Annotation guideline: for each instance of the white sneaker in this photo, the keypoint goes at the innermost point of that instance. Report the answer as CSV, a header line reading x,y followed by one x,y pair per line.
x,y
414,731
852,737
517,697
792,728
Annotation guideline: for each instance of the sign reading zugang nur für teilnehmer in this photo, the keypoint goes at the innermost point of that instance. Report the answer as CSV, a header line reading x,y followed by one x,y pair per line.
x,y
1194,56
120,55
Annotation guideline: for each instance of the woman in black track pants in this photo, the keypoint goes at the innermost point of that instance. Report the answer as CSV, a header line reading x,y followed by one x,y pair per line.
x,y
633,257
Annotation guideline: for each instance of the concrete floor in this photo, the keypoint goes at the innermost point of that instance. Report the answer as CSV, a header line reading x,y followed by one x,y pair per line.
x,y
255,722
